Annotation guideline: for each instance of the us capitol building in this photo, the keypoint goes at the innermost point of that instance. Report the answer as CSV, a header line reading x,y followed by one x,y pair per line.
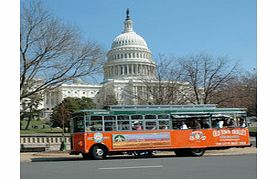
x,y
129,67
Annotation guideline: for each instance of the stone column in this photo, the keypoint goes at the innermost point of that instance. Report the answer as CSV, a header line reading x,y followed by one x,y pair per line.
x,y
144,70
127,69
118,70
132,69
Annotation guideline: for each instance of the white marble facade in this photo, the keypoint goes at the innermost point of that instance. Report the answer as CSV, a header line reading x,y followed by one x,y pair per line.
x,y
76,89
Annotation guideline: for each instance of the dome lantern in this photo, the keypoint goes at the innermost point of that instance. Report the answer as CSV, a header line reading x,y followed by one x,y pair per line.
x,y
128,24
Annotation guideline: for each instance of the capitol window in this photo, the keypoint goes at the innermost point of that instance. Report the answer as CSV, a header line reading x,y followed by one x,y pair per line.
x,y
134,69
121,71
130,70
125,69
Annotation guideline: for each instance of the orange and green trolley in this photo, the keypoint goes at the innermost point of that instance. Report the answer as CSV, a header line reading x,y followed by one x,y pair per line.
x,y
146,128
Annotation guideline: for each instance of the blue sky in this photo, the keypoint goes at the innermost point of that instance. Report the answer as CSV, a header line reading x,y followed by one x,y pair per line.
x,y
170,27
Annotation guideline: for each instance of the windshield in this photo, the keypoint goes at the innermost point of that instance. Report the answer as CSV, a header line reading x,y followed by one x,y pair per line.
x,y
78,124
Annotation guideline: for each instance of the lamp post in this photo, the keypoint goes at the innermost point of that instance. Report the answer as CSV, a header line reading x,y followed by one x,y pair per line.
x,y
63,143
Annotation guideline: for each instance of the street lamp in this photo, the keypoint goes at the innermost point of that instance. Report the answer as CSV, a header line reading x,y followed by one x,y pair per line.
x,y
63,143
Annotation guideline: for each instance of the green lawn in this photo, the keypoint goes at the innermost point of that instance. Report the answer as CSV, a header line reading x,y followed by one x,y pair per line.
x,y
38,127
40,131
34,124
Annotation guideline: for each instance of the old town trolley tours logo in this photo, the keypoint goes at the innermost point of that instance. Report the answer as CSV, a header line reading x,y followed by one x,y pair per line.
x,y
197,136
98,137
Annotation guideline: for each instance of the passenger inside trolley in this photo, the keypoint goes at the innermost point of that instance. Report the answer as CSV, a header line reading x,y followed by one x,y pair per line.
x,y
242,123
184,126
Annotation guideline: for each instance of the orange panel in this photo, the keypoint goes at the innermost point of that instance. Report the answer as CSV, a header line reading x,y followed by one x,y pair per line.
x,y
163,139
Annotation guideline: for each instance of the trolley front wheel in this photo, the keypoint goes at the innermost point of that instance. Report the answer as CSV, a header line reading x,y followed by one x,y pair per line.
x,y
98,152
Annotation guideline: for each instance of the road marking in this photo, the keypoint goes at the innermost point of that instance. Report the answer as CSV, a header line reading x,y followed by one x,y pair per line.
x,y
119,168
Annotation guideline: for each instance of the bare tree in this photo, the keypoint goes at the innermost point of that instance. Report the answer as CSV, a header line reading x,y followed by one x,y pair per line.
x,y
206,76
106,96
241,92
165,89
51,52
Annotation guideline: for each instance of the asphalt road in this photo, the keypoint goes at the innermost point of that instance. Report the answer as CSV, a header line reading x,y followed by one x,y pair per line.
x,y
167,167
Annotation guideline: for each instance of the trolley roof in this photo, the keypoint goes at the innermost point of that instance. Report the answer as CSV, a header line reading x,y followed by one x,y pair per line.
x,y
161,109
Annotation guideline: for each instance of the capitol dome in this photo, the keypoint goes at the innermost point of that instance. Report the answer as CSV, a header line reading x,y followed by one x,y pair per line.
x,y
129,39
129,57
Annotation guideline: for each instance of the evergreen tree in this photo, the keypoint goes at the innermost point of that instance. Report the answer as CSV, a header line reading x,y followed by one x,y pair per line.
x,y
61,113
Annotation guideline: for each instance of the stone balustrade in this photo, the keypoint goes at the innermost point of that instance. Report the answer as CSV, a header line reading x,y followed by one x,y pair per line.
x,y
43,142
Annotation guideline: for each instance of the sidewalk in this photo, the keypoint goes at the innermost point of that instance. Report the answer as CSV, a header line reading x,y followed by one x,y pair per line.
x,y
57,155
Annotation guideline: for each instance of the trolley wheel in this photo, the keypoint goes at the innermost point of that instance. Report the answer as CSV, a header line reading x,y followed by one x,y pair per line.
x,y
98,152
197,152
